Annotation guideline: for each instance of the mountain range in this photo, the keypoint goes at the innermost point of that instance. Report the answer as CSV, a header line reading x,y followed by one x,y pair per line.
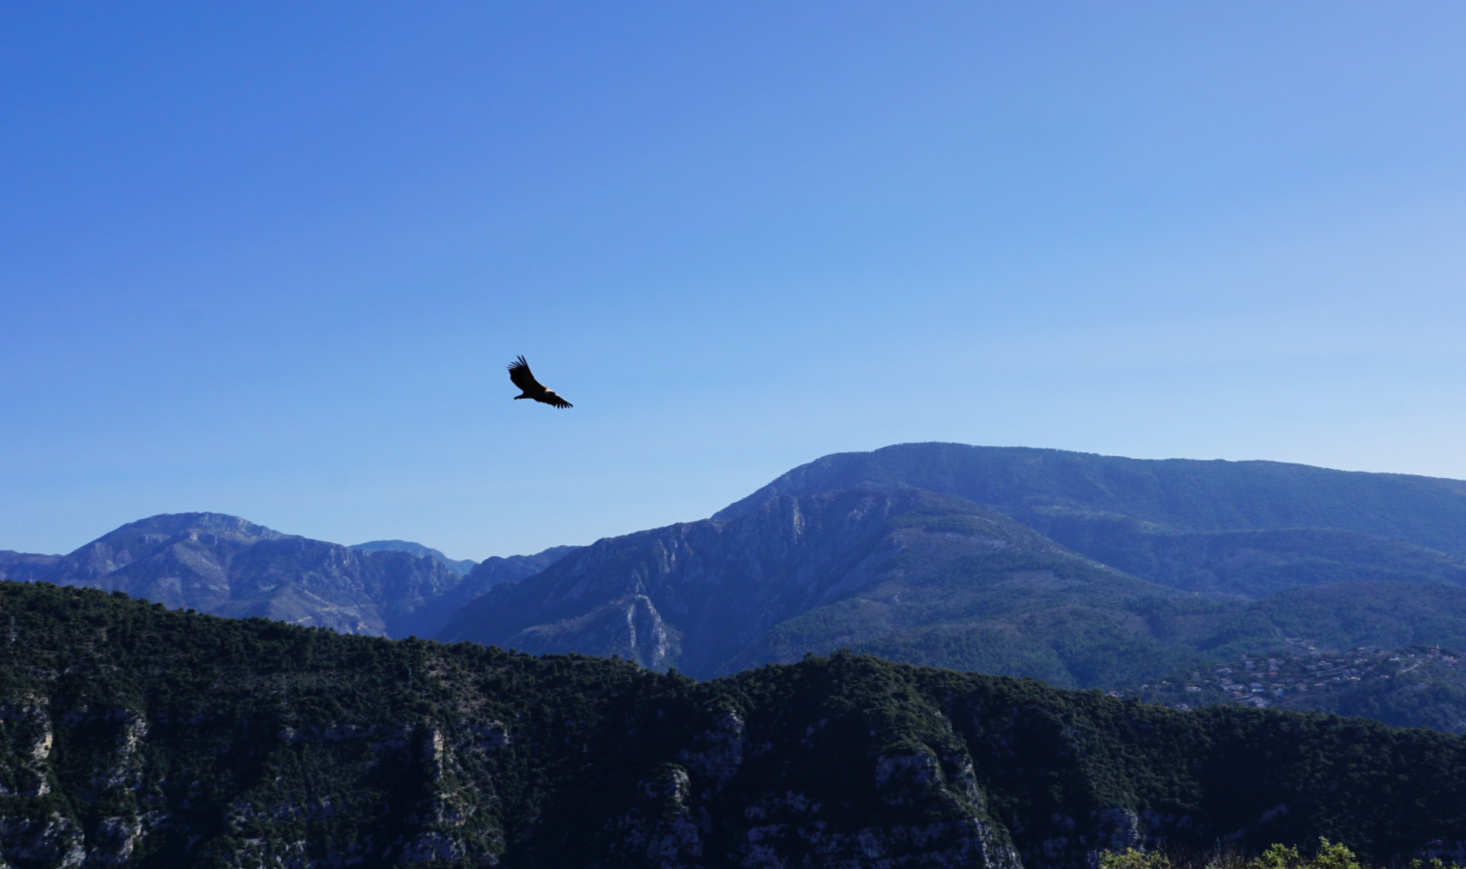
x,y
226,566
1082,570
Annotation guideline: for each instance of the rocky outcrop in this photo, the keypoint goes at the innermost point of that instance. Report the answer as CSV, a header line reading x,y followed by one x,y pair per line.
x,y
50,840
25,748
716,754
629,627
948,828
686,813
663,830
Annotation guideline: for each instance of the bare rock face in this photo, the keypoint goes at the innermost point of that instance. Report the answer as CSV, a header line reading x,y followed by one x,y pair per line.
x,y
717,752
662,830
25,748
54,840
716,806
929,816
628,626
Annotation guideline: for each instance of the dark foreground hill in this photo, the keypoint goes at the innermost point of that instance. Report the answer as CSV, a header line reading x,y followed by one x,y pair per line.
x,y
135,736
227,566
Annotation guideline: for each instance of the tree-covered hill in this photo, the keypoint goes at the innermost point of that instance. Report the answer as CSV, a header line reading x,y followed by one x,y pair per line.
x,y
131,735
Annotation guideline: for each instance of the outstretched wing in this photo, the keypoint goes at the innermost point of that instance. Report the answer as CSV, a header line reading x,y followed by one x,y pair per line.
x,y
520,374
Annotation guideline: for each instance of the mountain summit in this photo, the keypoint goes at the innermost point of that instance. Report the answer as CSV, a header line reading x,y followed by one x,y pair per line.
x,y
1226,527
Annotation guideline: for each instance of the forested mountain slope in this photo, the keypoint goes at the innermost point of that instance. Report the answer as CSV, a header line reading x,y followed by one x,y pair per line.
x,y
135,736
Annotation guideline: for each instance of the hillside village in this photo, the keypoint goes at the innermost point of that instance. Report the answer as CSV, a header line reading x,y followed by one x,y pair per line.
x,y
1319,679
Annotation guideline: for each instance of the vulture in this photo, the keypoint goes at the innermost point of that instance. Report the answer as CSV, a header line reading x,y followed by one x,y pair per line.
x,y
519,373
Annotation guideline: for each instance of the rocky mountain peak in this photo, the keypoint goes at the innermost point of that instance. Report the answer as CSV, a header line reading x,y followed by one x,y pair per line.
x,y
198,526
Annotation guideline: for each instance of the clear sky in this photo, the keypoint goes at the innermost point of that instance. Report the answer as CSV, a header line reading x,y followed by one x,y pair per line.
x,y
270,259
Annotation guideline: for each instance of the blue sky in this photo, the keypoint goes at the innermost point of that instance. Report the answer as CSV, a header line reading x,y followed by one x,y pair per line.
x,y
271,259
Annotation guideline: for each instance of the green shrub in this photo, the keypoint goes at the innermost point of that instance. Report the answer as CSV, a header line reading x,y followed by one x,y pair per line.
x,y
1330,855
1133,859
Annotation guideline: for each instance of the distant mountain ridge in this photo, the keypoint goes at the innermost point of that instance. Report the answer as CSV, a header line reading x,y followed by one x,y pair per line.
x,y
1197,495
225,565
1115,509
458,566
479,581
1082,570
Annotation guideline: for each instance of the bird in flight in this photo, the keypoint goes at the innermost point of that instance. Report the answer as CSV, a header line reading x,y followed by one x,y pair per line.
x,y
519,373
